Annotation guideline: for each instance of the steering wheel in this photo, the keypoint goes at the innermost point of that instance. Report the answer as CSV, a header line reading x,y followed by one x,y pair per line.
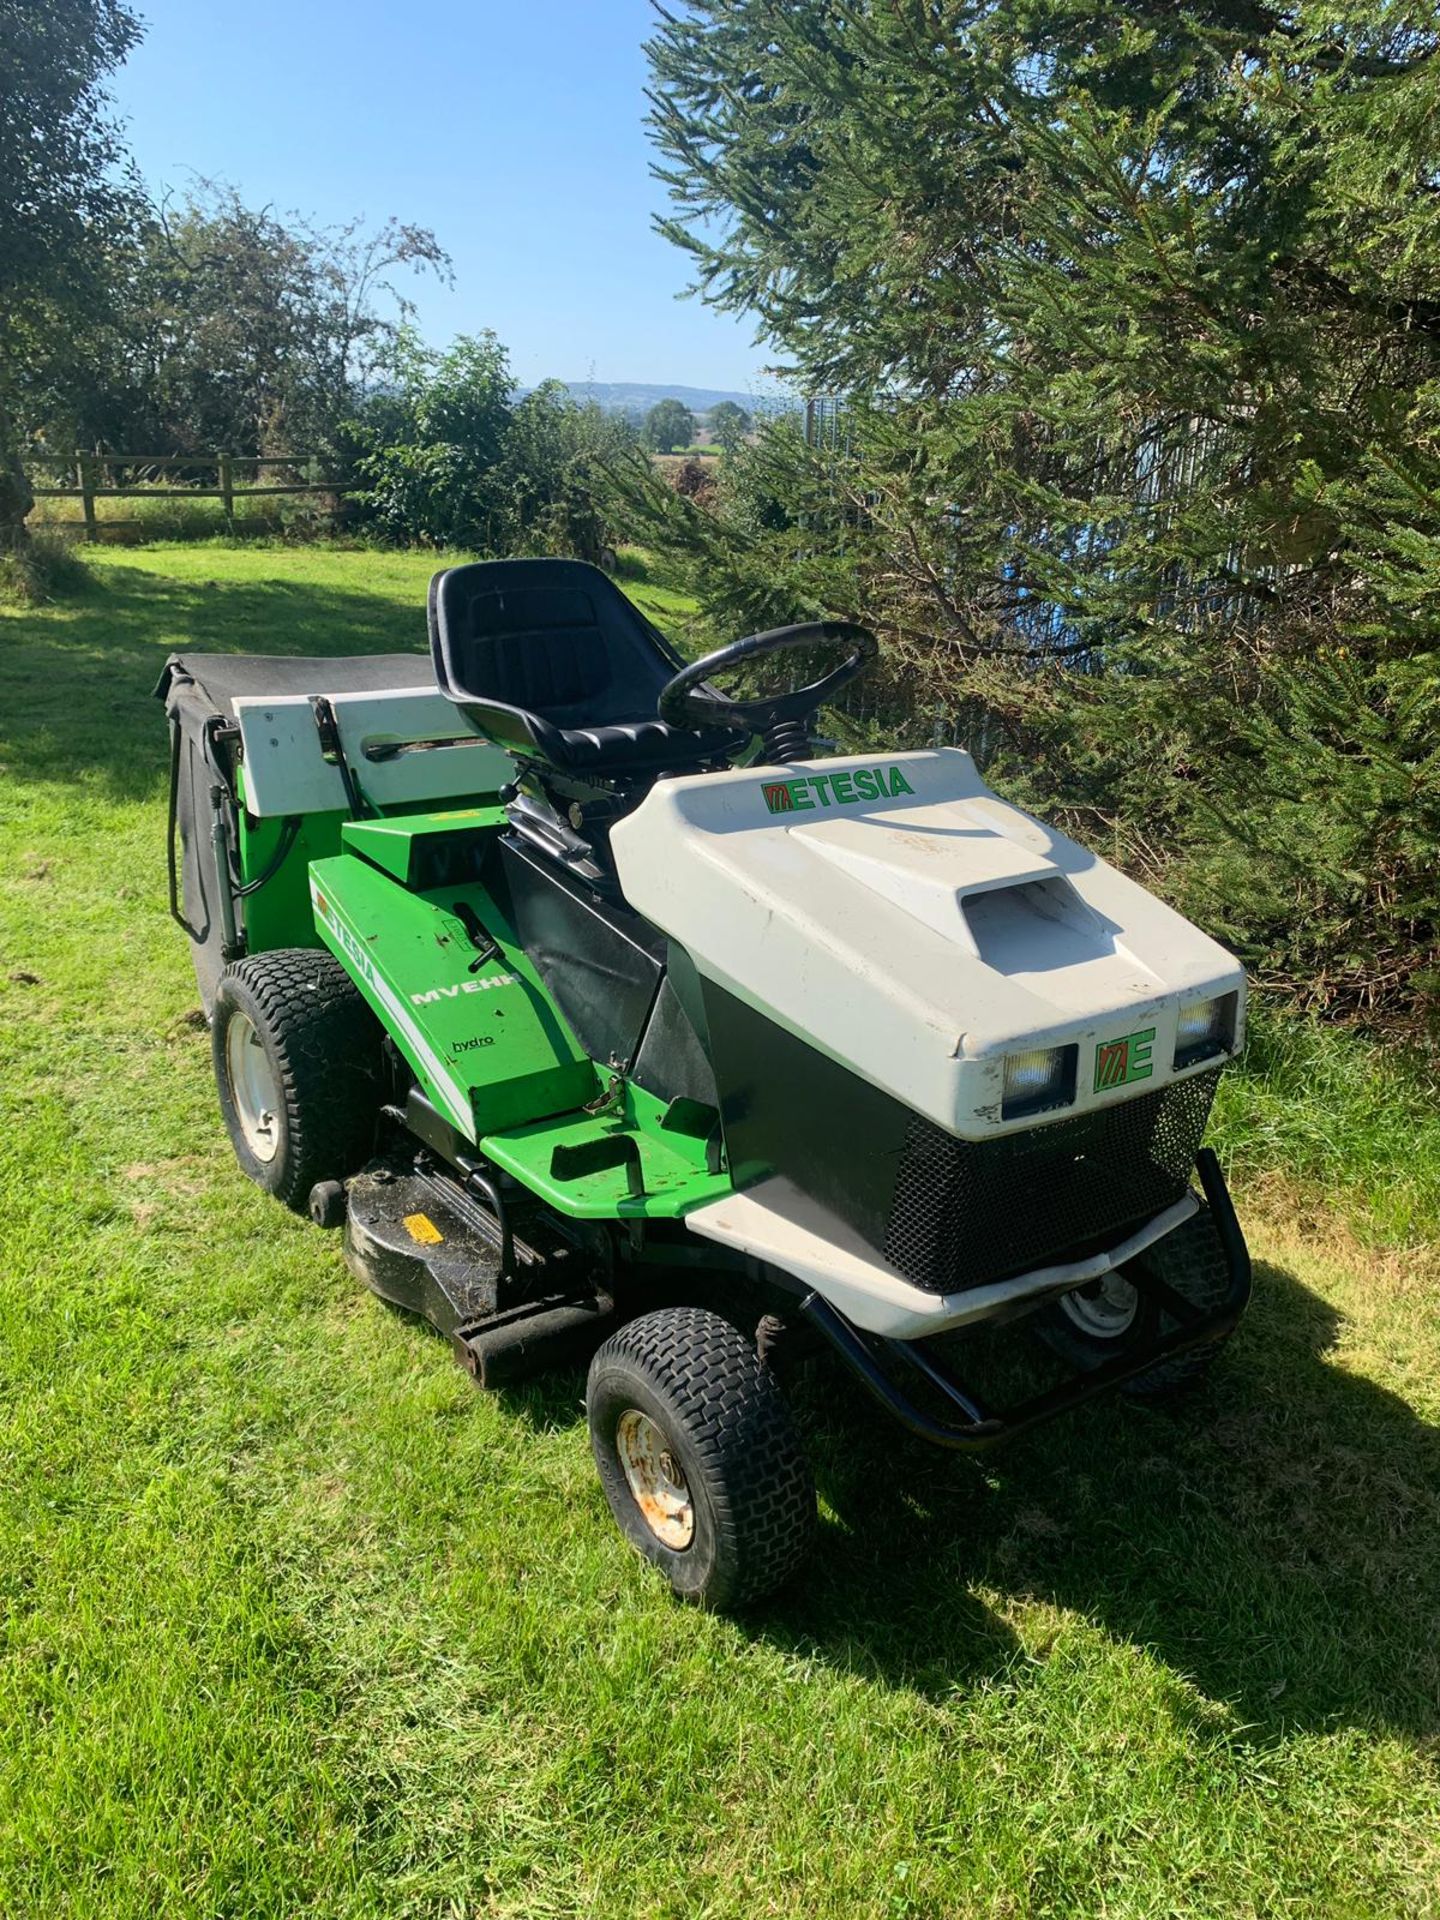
x,y
782,721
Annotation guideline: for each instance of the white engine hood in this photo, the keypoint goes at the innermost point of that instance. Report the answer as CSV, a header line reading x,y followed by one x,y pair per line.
x,y
895,913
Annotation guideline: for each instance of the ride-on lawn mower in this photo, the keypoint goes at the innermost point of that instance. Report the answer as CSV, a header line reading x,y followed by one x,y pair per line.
x,y
601,1039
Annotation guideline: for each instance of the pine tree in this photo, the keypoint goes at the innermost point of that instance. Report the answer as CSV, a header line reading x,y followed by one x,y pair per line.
x,y
1136,315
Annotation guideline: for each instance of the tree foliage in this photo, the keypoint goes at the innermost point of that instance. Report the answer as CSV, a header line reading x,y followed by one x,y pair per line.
x,y
452,459
1136,313
59,148
668,425
63,199
254,332
729,424
235,328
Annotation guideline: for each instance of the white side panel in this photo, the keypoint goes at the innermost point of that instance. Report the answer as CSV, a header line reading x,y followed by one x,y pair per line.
x,y
900,917
777,1223
468,765
285,771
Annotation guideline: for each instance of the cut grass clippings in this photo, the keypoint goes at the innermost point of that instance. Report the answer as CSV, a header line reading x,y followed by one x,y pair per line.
x,y
296,1622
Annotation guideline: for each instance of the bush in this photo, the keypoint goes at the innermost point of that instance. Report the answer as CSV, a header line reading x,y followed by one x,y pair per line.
x,y
452,460
693,481
428,442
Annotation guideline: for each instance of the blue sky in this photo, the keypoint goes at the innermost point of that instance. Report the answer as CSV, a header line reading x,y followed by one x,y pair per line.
x,y
514,130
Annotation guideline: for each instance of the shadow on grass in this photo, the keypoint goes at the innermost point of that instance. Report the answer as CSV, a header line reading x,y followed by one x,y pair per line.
x,y
1275,1538
76,681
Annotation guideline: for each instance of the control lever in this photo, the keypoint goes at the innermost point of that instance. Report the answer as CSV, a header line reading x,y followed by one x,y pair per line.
x,y
485,944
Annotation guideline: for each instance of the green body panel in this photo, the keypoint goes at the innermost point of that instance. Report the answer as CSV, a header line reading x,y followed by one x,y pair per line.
x,y
483,1037
672,1163
406,845
279,915
484,1040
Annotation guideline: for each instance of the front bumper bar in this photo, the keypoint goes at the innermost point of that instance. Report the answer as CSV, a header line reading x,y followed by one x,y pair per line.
x,y
980,1428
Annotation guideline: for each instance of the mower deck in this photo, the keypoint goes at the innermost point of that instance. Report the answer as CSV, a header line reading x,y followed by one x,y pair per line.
x,y
511,1307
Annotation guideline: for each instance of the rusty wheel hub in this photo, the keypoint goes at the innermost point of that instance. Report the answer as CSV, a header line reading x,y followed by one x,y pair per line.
x,y
655,1479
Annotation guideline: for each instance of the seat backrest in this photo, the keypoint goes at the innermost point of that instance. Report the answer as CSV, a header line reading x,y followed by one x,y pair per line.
x,y
536,647
555,640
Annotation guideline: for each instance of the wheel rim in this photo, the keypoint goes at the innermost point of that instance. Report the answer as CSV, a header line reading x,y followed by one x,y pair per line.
x,y
1106,1311
655,1479
253,1087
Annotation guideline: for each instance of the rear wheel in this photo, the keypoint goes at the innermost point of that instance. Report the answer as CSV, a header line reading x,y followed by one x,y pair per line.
x,y
1113,1316
297,1066
698,1456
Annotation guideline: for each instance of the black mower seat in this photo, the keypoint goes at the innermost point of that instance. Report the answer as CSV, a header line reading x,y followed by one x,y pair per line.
x,y
550,659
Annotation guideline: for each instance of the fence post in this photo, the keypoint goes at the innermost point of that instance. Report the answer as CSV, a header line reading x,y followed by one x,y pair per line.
x,y
227,492
85,481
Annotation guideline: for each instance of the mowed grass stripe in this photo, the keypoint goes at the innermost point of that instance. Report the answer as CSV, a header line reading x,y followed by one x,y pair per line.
x,y
296,1622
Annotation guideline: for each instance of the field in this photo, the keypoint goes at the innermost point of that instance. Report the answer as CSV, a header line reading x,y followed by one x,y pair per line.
x,y
295,1622
704,457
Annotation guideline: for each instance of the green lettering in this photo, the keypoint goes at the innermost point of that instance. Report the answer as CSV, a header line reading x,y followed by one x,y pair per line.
x,y
865,784
1141,1067
799,795
898,782
820,781
840,787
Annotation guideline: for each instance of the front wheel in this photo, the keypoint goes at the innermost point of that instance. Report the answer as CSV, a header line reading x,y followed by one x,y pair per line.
x,y
1112,1316
698,1456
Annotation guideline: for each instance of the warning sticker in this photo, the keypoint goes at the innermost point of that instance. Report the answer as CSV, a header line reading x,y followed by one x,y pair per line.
x,y
423,1230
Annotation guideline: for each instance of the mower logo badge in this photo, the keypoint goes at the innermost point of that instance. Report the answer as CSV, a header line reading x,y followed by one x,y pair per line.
x,y
1118,1062
464,986
834,789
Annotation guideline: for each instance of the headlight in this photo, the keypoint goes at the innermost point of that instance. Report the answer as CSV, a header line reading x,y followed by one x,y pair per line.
x,y
1038,1079
1205,1028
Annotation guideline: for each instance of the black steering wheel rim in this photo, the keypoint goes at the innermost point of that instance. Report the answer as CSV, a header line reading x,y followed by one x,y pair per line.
x,y
686,701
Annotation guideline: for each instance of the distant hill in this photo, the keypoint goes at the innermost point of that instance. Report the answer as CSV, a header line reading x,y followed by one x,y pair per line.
x,y
619,396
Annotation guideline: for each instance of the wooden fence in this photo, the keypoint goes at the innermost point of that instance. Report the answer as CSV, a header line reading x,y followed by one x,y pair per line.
x,y
93,472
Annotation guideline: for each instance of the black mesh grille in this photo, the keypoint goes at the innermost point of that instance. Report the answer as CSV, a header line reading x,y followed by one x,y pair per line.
x,y
967,1211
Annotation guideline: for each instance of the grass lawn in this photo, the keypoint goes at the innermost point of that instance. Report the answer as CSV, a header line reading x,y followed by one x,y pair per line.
x,y
667,605
293,1621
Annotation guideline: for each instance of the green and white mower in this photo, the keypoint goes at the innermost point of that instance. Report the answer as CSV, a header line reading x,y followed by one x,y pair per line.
x,y
607,1033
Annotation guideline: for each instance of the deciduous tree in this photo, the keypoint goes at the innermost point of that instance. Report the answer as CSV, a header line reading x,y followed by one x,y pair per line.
x,y
729,423
241,329
63,197
668,425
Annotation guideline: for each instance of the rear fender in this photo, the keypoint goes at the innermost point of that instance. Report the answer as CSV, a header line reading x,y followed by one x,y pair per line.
x,y
458,996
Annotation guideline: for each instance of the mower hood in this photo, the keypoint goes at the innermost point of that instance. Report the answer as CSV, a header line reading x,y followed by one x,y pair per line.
x,y
901,918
